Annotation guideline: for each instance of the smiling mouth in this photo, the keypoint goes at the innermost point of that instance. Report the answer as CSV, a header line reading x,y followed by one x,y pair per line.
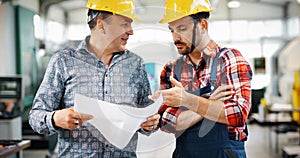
x,y
124,39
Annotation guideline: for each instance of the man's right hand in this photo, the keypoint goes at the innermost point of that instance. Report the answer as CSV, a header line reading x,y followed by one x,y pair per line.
x,y
69,119
222,93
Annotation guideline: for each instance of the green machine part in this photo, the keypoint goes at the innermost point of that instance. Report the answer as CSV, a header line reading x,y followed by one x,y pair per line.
x,y
26,52
27,67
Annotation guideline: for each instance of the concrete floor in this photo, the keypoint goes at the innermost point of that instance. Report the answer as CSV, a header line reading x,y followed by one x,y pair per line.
x,y
257,146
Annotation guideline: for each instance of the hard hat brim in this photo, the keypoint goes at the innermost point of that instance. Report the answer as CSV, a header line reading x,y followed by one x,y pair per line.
x,y
129,12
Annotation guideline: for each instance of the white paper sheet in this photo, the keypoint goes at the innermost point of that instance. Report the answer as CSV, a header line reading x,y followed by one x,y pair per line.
x,y
117,123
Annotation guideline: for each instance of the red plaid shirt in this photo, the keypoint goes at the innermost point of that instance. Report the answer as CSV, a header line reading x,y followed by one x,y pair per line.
x,y
237,73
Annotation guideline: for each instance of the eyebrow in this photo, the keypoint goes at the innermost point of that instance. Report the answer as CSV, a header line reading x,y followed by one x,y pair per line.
x,y
126,19
177,27
129,20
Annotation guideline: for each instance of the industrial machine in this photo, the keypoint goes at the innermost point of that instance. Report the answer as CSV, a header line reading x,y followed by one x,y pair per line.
x,y
285,69
11,97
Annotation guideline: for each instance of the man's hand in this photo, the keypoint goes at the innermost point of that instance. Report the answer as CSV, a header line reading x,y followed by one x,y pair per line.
x,y
155,96
222,93
69,119
175,96
151,123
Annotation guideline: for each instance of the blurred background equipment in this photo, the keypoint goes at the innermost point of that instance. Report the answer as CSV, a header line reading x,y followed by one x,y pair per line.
x,y
11,106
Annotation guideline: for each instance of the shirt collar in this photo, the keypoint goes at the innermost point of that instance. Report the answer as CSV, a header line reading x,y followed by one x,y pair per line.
x,y
84,46
210,50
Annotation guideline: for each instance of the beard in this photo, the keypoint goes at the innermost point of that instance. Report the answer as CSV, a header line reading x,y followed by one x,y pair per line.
x,y
183,49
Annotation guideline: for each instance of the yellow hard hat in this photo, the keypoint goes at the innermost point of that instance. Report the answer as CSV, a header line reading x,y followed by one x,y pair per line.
x,y
176,9
121,7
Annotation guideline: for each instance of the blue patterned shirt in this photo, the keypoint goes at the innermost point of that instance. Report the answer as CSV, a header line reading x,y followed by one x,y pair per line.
x,y
80,71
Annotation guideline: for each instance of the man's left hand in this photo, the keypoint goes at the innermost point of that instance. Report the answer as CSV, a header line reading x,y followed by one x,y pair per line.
x,y
151,123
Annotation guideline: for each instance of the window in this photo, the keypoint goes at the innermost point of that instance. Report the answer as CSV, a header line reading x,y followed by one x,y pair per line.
x,y
77,32
38,27
273,28
55,32
293,26
239,30
219,30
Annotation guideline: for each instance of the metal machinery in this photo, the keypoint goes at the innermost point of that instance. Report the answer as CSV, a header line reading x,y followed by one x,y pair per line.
x,y
285,83
289,69
18,57
288,64
11,97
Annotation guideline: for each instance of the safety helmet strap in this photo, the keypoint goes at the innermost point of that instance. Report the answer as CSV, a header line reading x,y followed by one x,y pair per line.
x,y
194,36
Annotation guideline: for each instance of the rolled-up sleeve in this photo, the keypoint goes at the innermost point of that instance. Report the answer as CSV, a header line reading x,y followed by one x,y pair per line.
x,y
168,118
239,74
168,115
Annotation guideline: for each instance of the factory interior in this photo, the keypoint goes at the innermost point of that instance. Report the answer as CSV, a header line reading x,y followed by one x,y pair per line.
x,y
266,32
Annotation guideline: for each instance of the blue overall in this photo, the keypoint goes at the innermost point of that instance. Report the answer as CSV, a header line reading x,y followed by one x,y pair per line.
x,y
206,139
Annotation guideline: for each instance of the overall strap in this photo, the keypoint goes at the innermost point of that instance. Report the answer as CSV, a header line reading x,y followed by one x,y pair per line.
x,y
178,69
213,74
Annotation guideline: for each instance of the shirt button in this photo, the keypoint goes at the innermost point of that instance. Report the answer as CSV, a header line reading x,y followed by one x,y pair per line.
x,y
106,144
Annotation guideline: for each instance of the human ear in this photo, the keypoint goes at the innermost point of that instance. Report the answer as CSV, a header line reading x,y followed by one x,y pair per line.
x,y
100,24
204,25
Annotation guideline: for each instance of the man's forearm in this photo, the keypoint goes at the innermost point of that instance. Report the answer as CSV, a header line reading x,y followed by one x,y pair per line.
x,y
210,109
187,119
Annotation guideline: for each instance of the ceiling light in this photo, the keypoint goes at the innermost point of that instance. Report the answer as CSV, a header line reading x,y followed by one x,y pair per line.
x,y
233,4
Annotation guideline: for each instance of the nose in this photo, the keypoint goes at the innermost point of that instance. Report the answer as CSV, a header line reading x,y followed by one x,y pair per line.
x,y
129,31
176,36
